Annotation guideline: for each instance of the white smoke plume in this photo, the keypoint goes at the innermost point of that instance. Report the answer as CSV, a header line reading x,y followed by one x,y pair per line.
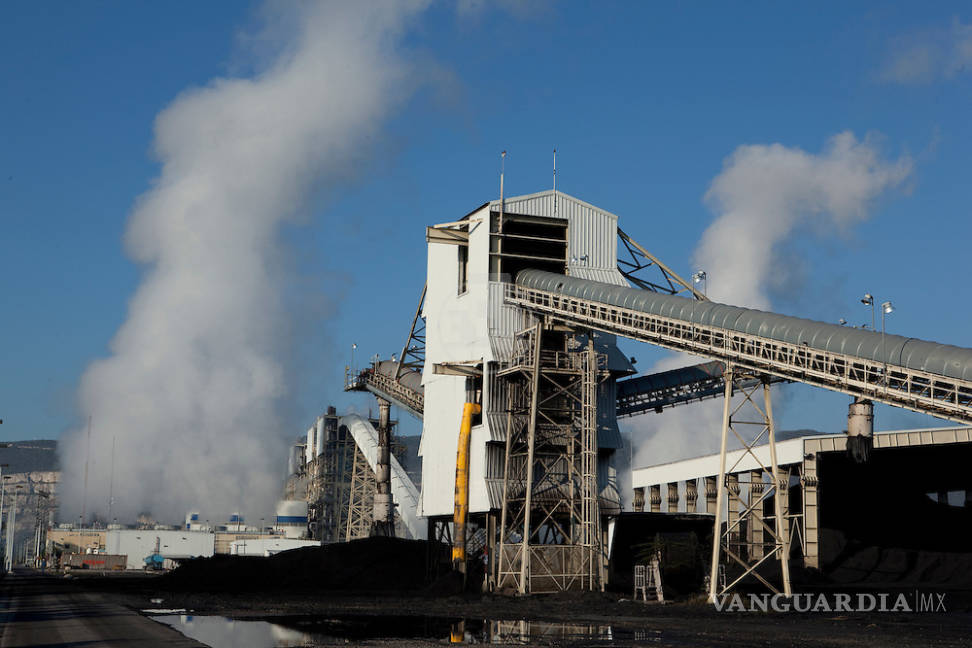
x,y
929,55
194,390
762,197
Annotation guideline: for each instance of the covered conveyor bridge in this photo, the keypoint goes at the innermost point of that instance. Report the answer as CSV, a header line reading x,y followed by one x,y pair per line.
x,y
905,372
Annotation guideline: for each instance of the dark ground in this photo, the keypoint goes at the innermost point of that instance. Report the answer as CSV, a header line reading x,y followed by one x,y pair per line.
x,y
379,583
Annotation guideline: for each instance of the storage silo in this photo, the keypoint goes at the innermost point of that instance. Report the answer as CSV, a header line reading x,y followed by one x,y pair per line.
x,y
291,520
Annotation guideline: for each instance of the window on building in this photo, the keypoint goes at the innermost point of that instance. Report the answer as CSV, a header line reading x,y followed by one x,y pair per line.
x,y
463,267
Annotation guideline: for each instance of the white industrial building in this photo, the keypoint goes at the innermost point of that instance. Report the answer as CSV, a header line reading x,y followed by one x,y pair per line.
x,y
138,544
268,546
468,324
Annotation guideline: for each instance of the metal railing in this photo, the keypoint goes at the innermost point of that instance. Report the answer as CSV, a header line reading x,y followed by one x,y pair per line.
x,y
386,387
919,391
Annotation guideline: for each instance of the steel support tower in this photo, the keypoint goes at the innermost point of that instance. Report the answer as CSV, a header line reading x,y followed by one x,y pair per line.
x,y
550,519
743,554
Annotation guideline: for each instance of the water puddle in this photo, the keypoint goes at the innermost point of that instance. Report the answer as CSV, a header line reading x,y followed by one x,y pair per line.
x,y
220,632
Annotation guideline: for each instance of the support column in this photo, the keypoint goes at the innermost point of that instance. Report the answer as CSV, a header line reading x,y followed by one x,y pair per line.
x,y
781,498
811,515
720,487
490,584
531,447
691,496
655,495
732,517
750,430
756,488
673,497
384,512
784,491
711,492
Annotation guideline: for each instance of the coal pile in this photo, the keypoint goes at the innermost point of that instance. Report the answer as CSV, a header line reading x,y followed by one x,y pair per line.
x,y
368,565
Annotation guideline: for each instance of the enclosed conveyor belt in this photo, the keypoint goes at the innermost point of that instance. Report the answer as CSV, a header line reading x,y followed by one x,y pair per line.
x,y
914,374
404,492
657,391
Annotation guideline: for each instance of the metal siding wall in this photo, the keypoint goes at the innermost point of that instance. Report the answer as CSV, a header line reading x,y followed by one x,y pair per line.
x,y
504,322
608,434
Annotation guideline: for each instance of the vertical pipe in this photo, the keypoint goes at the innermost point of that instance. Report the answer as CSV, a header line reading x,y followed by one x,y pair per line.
x,y
4,557
673,497
531,445
691,495
720,487
11,530
506,486
711,489
756,516
384,515
654,497
461,511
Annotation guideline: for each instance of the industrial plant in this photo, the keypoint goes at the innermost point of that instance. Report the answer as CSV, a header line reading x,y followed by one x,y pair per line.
x,y
511,363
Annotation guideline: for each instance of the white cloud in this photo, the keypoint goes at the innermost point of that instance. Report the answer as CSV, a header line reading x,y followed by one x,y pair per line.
x,y
765,192
194,388
762,197
930,55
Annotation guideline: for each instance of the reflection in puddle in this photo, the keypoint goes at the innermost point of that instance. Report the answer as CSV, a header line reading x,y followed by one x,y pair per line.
x,y
220,632
309,630
527,632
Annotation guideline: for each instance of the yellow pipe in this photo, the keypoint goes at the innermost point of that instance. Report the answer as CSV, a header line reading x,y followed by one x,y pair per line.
x,y
462,487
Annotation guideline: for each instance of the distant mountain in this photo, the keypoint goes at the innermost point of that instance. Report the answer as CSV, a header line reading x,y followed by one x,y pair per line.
x,y
38,455
783,435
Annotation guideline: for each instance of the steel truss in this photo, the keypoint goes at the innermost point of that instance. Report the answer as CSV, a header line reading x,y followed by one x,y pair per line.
x,y
550,520
638,260
919,391
413,352
329,485
361,500
744,554
387,388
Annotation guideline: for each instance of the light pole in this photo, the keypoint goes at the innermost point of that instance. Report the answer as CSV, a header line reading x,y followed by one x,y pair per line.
x,y
11,529
353,347
701,277
698,277
886,309
868,300
2,481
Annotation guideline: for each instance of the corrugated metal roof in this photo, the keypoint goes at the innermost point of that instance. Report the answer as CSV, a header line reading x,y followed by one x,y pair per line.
x,y
603,275
542,204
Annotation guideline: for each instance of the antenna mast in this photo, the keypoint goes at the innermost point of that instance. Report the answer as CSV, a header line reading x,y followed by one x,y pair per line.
x,y
502,203
555,181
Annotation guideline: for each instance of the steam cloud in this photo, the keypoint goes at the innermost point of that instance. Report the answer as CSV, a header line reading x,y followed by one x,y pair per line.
x,y
763,195
930,55
194,389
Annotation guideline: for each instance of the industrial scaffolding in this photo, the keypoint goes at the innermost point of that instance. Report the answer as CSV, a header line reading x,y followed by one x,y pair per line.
x,y
550,519
329,483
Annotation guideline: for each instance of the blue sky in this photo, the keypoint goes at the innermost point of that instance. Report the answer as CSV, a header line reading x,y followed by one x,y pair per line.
x,y
643,101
